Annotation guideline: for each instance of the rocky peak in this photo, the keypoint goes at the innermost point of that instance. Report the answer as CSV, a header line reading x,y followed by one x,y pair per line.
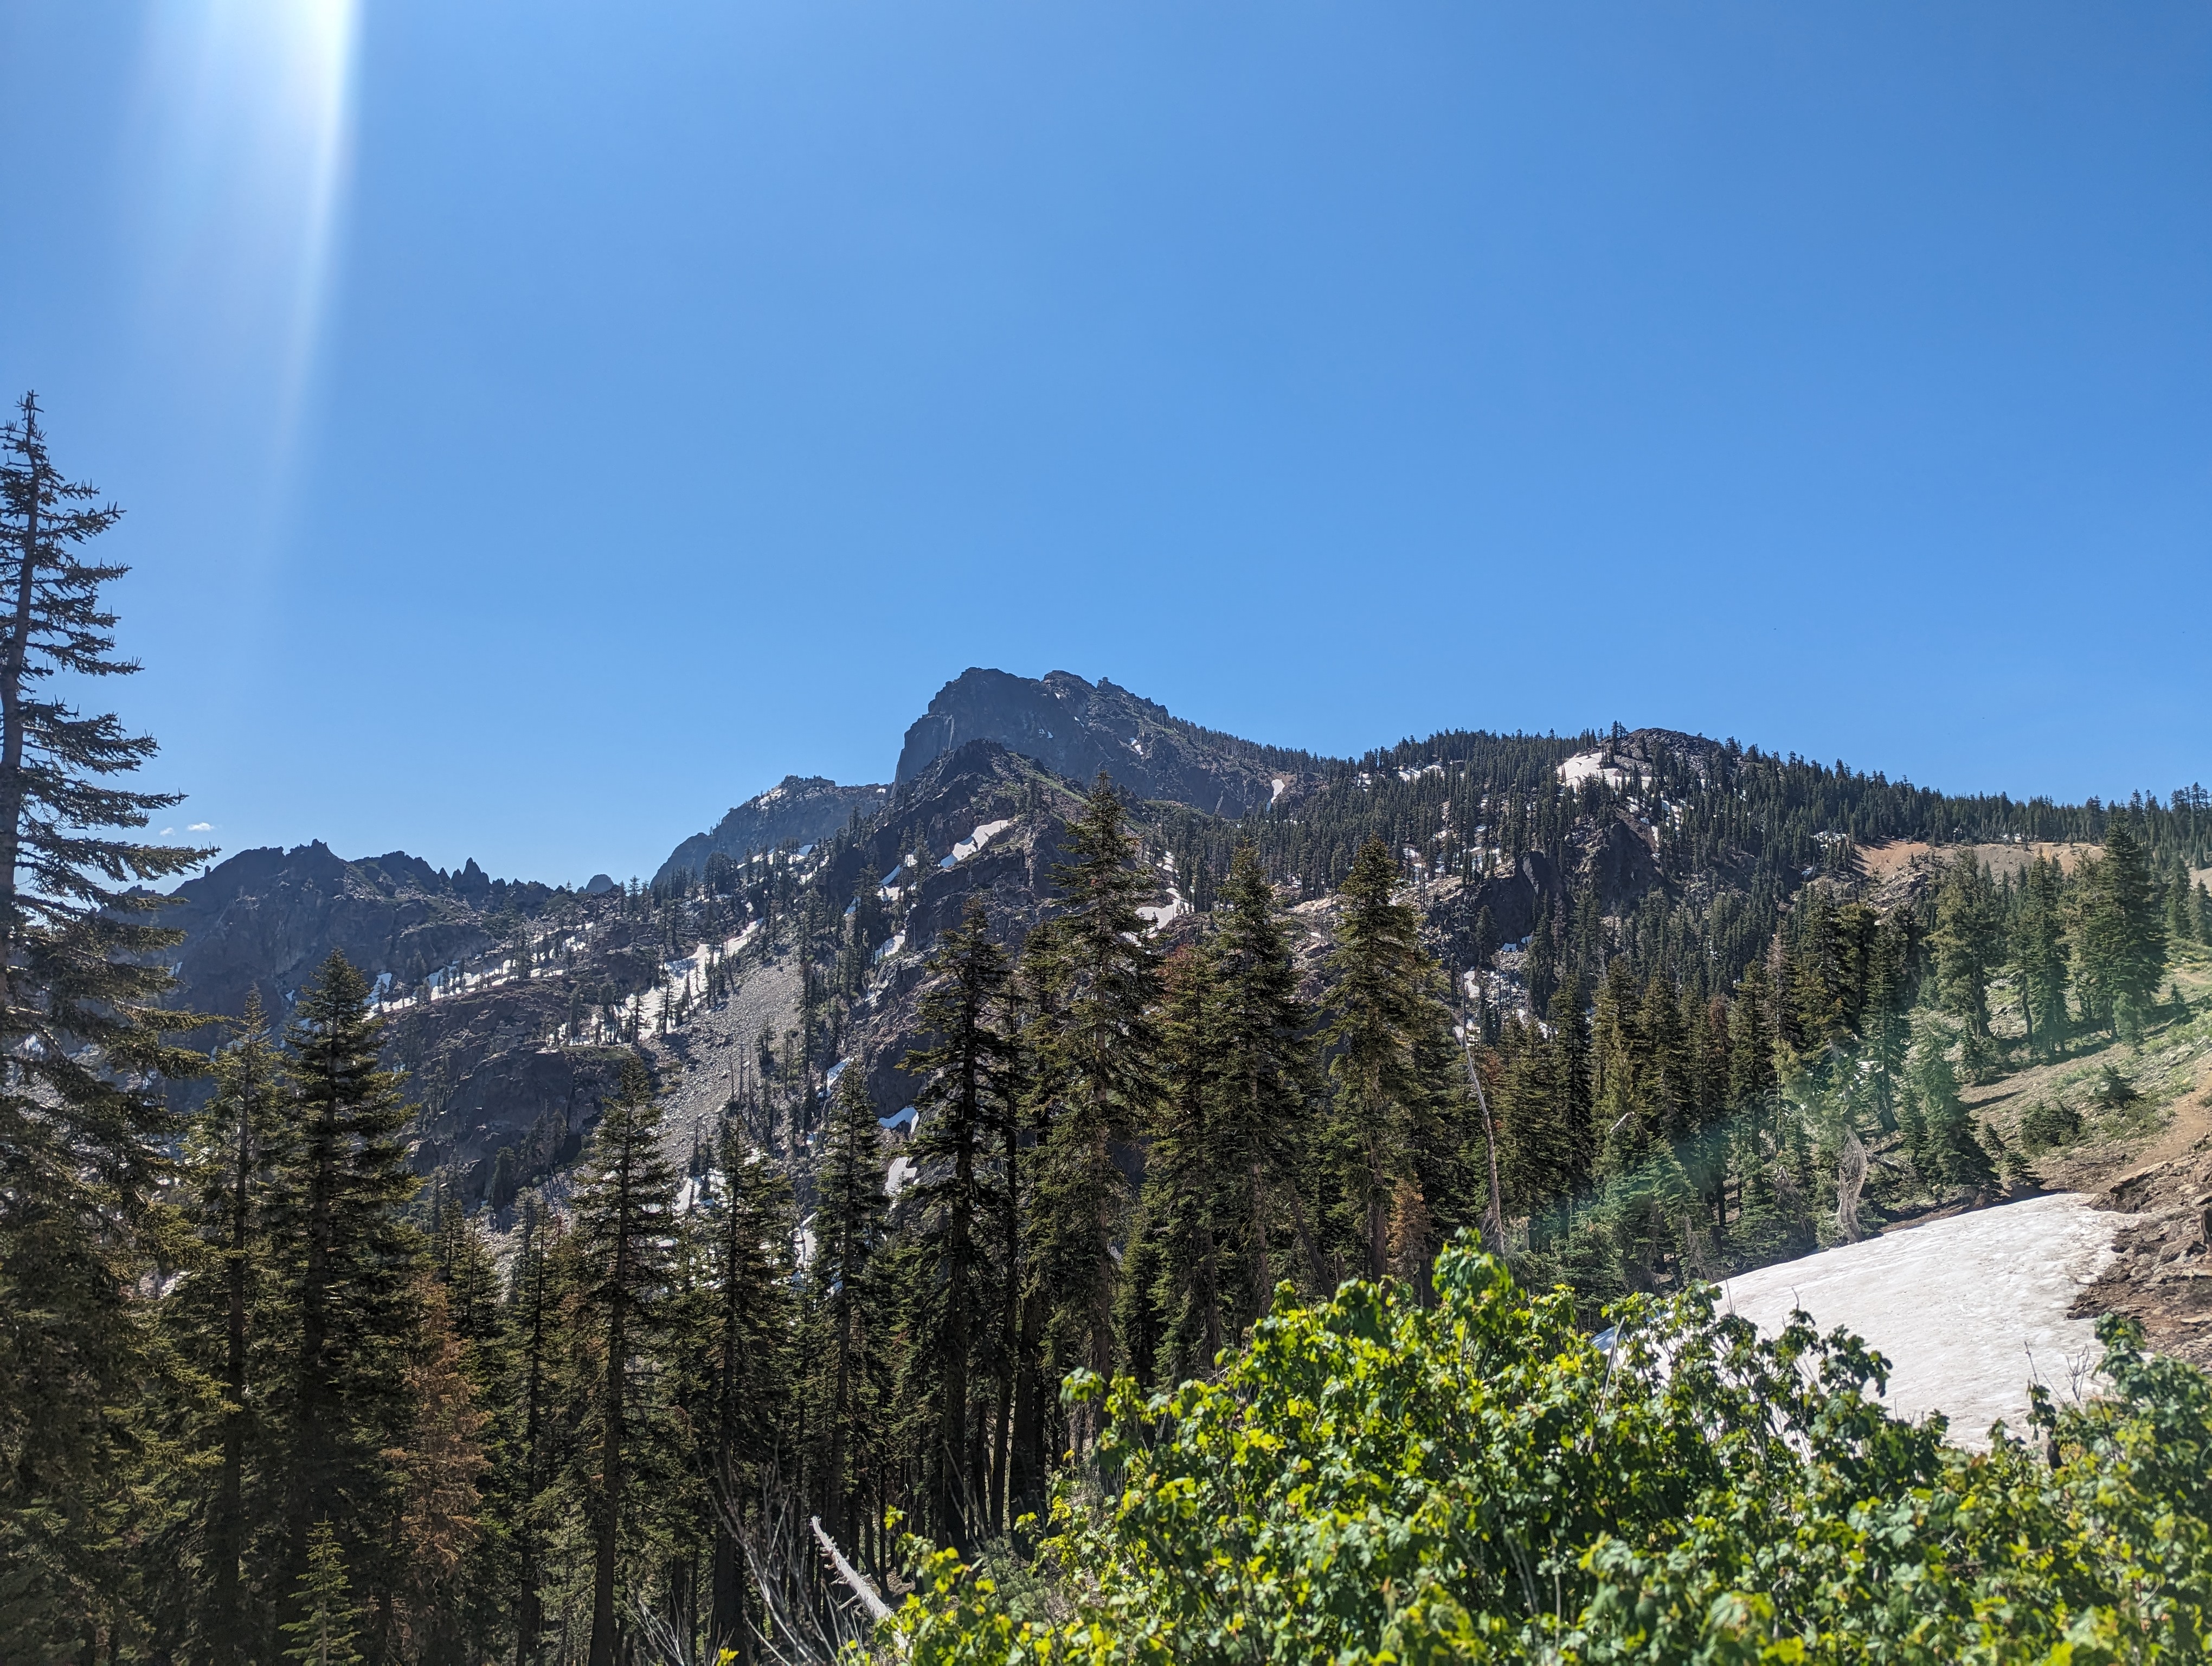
x,y
798,809
1076,729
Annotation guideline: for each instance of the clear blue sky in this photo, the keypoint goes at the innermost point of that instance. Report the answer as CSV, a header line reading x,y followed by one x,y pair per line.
x,y
544,425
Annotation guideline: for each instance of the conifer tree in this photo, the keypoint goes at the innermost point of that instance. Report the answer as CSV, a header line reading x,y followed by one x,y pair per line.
x,y
1881,1022
2180,920
1544,1105
964,1103
1261,1076
752,1327
328,1622
2039,953
1955,1156
849,1222
83,1128
1752,1081
1967,946
1095,1042
1378,1011
221,1309
534,1317
441,1474
349,1258
1620,1071
1172,1317
625,1219
2119,939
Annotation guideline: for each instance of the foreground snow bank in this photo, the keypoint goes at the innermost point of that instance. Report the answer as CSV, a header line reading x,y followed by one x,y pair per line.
x,y
1968,1309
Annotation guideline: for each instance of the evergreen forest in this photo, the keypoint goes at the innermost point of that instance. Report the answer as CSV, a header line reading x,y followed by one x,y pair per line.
x,y
1319,1273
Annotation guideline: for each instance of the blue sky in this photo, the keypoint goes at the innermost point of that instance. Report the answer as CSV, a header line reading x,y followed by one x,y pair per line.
x,y
544,425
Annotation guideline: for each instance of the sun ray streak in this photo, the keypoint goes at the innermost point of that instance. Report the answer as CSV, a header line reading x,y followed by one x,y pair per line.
x,y
245,135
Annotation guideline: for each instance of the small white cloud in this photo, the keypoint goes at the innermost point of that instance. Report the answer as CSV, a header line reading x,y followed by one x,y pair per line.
x,y
201,827
164,832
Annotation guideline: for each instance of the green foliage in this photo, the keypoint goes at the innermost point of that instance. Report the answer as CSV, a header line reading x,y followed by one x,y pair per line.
x,y
966,1105
625,1217
348,1259
1393,1077
2119,935
1094,979
84,1134
324,1634
2044,1125
1967,944
1378,1481
2039,953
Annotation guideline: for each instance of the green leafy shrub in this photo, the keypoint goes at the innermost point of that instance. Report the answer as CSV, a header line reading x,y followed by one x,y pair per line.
x,y
1478,1481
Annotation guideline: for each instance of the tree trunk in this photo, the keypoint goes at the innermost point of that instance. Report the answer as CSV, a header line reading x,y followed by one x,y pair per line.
x,y
529,1621
611,1439
11,731
227,1530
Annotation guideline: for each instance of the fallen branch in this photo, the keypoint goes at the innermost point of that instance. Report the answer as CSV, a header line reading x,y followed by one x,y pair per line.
x,y
877,1608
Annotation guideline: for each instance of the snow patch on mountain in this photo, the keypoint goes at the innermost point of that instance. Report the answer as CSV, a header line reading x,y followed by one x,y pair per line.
x,y
1969,1309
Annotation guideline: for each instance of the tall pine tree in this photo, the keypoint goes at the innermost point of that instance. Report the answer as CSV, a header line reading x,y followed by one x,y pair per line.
x,y
844,1287
966,1104
625,1224
2119,937
223,1313
349,1256
1095,1044
83,1128
1384,1024
1263,1079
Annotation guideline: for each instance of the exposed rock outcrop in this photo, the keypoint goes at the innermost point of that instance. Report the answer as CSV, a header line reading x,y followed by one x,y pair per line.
x,y
1076,729
798,809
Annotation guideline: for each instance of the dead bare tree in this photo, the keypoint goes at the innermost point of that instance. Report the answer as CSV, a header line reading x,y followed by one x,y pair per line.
x,y
1850,1180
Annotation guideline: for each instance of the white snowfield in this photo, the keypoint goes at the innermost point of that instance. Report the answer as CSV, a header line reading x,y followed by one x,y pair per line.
x,y
976,841
1968,1309
1582,765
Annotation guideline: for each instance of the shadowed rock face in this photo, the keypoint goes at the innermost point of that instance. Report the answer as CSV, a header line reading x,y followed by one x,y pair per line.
x,y
802,808
1076,729
266,920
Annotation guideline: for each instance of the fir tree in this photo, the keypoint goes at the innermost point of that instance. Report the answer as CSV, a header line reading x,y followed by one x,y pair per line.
x,y
2040,953
1171,1320
2181,918
849,1222
964,1104
752,1329
1260,1079
328,1622
625,1218
1967,946
533,1323
1095,1042
1954,1155
2119,935
440,1473
221,1309
83,1129
1383,1018
349,1258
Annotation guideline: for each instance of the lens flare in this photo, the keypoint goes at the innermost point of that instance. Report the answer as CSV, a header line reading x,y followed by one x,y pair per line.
x,y
243,134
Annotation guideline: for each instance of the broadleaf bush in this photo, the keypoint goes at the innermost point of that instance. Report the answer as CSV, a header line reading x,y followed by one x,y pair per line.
x,y
1478,1481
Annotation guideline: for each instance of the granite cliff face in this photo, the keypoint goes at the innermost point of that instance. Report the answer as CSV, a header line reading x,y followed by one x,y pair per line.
x,y
798,809
511,1005
1076,729
265,920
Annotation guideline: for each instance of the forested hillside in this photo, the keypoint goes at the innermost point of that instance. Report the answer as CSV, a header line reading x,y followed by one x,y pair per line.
x,y
517,1274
